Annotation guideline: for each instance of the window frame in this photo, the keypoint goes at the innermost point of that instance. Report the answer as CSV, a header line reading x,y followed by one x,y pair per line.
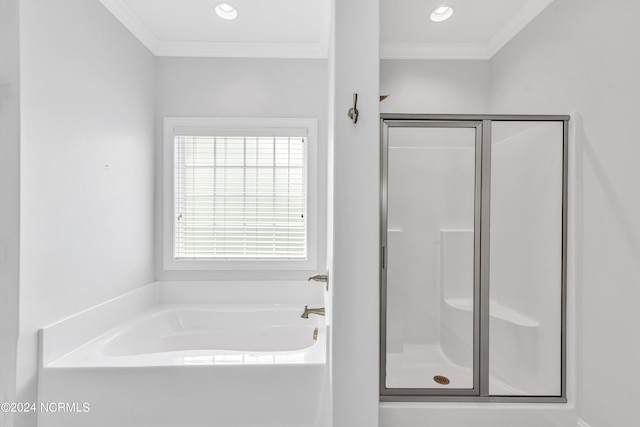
x,y
250,126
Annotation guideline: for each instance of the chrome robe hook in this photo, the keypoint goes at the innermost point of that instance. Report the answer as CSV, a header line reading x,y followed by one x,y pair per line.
x,y
353,111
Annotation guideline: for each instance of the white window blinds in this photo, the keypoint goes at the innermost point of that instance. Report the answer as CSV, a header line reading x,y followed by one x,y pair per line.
x,y
239,197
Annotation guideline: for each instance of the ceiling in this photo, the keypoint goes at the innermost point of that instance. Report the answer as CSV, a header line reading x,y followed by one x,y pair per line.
x,y
301,28
264,29
477,30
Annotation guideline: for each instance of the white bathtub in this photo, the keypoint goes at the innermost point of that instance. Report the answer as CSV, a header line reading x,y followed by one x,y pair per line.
x,y
189,354
200,334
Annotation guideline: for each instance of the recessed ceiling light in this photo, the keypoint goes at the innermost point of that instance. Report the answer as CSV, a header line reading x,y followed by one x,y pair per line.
x,y
226,11
441,14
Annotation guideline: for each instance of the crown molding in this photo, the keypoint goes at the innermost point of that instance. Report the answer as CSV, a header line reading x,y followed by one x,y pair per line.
x,y
130,20
477,51
241,50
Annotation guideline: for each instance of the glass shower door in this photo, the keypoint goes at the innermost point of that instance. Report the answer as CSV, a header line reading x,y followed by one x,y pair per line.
x,y
474,258
430,277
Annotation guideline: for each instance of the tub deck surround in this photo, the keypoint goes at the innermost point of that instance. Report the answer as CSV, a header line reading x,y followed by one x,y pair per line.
x,y
206,334
76,333
69,334
191,354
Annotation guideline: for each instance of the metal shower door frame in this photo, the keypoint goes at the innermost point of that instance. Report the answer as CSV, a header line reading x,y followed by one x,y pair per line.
x,y
482,205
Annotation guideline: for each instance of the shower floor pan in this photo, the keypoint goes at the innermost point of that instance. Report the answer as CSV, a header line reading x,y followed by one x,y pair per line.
x,y
419,364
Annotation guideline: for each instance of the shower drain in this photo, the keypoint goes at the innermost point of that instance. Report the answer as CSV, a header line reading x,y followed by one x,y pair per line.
x,y
441,379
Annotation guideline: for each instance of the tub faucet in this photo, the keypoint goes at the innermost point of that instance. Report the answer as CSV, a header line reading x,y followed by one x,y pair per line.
x,y
308,311
320,278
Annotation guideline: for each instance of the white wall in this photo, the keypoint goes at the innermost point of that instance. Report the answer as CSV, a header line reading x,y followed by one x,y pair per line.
x,y
435,87
86,168
576,57
10,199
354,254
216,87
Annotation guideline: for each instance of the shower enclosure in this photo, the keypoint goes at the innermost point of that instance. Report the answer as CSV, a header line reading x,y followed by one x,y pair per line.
x,y
473,258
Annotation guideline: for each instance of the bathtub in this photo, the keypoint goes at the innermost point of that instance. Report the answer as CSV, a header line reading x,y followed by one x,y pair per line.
x,y
201,334
190,354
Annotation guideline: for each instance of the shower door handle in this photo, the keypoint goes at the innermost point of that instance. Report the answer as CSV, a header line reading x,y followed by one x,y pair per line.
x,y
383,258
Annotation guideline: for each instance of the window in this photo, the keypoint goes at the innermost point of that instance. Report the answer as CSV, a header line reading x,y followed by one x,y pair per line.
x,y
239,193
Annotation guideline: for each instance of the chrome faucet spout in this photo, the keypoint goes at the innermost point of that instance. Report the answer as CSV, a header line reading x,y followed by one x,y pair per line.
x,y
307,311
